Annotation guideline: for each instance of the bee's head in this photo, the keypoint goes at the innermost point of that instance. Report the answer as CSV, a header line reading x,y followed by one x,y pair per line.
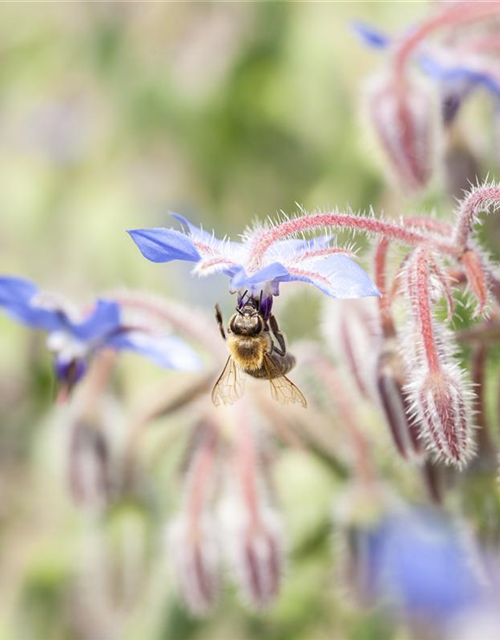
x,y
247,320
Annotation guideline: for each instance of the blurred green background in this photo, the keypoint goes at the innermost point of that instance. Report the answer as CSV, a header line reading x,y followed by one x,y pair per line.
x,y
111,115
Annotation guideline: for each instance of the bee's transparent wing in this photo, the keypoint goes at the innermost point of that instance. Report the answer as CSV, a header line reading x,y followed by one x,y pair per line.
x,y
230,386
282,389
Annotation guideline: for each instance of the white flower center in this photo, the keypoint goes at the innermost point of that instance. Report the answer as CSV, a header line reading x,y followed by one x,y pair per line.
x,y
66,346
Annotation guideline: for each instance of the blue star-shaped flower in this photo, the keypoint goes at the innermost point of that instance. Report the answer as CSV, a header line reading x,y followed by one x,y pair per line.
x,y
314,261
74,338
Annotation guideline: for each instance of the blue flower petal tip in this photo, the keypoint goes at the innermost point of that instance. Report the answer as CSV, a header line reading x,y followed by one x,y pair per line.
x,y
164,245
370,36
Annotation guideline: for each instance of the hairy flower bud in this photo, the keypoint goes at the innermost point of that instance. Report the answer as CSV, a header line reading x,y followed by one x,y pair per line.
x,y
350,328
440,396
255,552
403,116
89,468
443,404
195,557
395,403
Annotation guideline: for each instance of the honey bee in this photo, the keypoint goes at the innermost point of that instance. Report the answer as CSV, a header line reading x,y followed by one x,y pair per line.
x,y
253,351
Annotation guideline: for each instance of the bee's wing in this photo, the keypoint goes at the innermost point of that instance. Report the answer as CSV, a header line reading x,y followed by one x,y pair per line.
x,y
230,386
282,389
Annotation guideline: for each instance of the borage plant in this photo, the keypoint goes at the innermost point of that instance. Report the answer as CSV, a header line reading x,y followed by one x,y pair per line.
x,y
437,395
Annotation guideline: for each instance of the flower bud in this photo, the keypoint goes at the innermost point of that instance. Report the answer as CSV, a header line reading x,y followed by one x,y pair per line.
x,y
194,554
255,553
395,403
89,466
403,116
350,328
442,403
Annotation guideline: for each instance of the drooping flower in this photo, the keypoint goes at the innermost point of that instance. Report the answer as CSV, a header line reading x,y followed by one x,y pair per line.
x,y
316,261
417,564
403,117
74,336
459,70
401,107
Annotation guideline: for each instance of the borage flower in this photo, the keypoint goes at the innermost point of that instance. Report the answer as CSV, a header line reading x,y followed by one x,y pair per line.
x,y
316,261
419,566
400,106
458,70
75,336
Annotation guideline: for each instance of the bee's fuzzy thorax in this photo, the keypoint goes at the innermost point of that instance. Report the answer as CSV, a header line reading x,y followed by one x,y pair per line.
x,y
248,352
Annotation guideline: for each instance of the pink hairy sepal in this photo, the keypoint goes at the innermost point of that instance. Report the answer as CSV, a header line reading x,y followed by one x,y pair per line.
x,y
476,278
195,558
443,405
403,116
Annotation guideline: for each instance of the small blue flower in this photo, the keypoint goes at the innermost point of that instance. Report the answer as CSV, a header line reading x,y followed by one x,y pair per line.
x,y
314,261
74,338
458,73
417,563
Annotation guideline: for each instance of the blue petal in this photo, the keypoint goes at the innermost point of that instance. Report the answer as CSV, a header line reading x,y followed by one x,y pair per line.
x,y
459,73
339,277
417,559
103,320
164,245
371,36
275,271
16,295
169,352
14,289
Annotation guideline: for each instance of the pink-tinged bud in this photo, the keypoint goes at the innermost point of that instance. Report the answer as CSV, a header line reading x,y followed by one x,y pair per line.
x,y
476,278
350,329
442,403
89,466
395,403
440,396
195,557
255,553
404,117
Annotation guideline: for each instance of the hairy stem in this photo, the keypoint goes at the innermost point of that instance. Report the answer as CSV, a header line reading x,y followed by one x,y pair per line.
x,y
456,14
478,200
388,230
419,290
384,304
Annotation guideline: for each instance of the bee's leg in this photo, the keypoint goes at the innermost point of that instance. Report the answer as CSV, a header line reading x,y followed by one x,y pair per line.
x,y
220,321
273,323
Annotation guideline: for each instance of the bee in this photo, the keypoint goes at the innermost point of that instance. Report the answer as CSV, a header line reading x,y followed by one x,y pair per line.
x,y
254,352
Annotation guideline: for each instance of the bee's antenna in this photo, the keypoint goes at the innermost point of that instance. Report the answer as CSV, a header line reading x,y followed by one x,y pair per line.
x,y
260,299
